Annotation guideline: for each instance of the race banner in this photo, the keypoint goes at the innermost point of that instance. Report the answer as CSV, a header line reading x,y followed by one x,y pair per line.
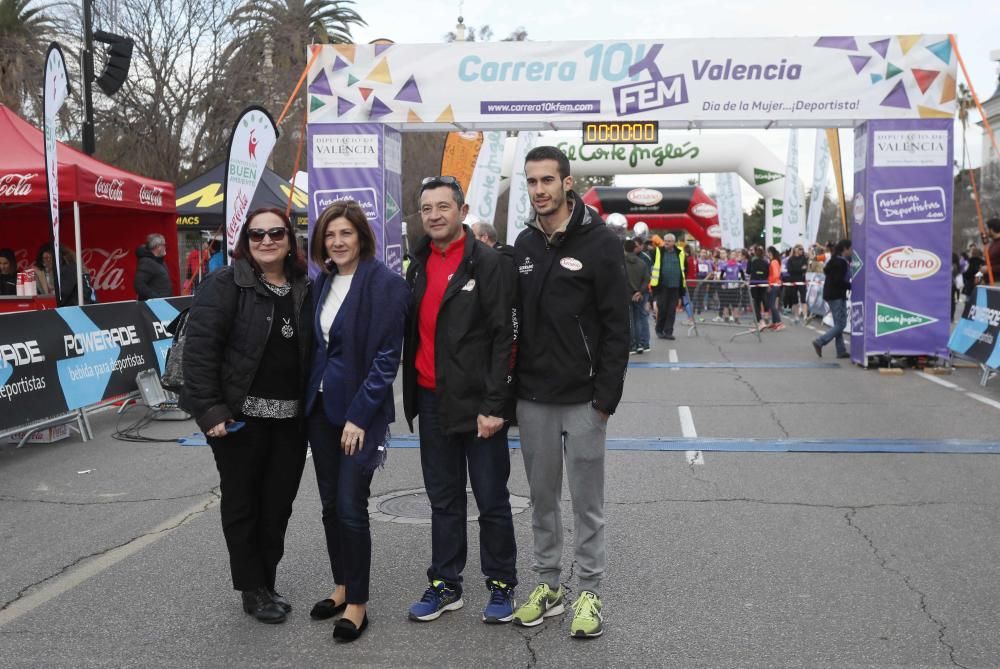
x,y
56,89
250,145
730,201
519,202
821,180
902,224
461,149
819,81
78,356
792,224
484,189
977,335
360,162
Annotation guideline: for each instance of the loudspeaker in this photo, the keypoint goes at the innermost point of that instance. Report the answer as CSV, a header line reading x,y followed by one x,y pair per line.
x,y
119,59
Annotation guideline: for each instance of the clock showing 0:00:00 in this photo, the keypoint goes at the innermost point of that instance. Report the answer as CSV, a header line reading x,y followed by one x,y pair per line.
x,y
621,132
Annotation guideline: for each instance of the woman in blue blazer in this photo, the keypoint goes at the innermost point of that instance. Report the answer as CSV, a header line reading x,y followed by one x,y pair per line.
x,y
361,309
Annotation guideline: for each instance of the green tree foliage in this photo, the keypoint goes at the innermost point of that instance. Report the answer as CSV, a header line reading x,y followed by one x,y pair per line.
x,y
26,28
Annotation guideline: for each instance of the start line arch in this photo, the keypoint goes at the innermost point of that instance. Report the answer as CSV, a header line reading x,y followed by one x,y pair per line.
x,y
897,91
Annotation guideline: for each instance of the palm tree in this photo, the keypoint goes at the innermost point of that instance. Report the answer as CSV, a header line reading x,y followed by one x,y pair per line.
x,y
25,32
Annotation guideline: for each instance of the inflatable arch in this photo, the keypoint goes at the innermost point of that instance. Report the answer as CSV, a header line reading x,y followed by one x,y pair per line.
x,y
678,154
684,207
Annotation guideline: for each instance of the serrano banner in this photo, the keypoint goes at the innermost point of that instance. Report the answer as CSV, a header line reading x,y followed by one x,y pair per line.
x,y
250,145
785,81
78,356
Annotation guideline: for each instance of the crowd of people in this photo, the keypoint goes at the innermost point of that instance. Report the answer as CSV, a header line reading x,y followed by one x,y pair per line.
x,y
756,286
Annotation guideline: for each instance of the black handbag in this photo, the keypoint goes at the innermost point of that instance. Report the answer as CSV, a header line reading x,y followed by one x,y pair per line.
x,y
173,368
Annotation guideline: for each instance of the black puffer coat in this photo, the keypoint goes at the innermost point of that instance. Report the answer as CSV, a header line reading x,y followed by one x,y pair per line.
x,y
227,331
151,277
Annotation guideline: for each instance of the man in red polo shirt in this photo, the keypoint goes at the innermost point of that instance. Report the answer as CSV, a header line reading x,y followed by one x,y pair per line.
x,y
457,379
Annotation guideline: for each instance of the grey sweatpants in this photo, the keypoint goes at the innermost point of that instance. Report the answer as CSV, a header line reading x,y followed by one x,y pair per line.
x,y
548,431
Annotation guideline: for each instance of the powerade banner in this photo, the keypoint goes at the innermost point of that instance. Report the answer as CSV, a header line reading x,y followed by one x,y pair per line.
x,y
762,81
976,336
363,163
902,219
59,360
250,145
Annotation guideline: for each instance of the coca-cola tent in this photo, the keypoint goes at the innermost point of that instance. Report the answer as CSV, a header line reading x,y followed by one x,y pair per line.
x,y
117,209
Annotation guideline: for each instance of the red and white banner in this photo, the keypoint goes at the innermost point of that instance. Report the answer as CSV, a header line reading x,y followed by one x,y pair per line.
x,y
250,145
56,88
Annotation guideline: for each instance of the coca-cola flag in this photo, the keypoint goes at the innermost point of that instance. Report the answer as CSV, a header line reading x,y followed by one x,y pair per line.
x,y
55,90
250,145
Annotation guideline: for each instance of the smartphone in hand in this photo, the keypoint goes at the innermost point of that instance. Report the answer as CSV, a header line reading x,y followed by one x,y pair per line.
x,y
235,426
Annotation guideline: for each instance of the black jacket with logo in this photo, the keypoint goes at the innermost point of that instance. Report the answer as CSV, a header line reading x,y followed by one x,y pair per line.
x,y
227,331
473,348
838,278
573,297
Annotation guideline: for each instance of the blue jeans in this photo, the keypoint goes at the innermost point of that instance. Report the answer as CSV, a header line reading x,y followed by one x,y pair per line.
x,y
444,458
839,310
343,490
774,303
640,324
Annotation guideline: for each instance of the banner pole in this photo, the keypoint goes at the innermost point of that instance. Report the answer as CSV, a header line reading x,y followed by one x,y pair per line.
x,y
833,139
79,253
295,169
302,78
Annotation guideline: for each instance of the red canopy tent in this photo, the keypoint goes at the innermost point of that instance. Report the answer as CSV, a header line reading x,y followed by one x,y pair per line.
x,y
117,209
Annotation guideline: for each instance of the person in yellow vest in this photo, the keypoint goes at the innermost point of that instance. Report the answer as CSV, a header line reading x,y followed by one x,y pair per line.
x,y
667,281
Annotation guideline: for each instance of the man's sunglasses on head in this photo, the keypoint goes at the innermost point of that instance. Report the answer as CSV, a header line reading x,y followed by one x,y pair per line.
x,y
437,182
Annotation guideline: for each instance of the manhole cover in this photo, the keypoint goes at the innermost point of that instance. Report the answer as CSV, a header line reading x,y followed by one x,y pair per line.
x,y
412,507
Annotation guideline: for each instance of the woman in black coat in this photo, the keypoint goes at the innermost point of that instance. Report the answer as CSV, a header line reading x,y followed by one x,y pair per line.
x,y
360,319
246,356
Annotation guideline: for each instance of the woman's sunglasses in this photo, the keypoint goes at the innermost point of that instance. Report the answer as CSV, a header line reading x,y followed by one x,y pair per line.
x,y
257,234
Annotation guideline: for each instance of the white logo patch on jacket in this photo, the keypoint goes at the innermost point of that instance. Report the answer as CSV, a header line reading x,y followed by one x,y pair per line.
x,y
572,264
526,266
469,285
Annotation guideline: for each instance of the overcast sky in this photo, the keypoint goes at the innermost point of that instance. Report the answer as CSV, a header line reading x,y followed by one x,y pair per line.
x,y
976,24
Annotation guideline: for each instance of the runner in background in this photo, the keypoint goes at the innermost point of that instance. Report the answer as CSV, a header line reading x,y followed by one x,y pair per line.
x,y
797,264
732,274
757,273
774,288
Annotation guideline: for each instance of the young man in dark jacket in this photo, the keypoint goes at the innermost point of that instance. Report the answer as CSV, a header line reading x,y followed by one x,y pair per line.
x,y
638,274
151,277
457,378
573,350
835,287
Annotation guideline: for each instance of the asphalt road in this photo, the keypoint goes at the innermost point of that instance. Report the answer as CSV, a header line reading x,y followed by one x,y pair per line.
x,y
112,552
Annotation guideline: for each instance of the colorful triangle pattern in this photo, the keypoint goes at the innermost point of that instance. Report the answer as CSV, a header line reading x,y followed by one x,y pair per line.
x,y
942,50
930,112
948,89
365,92
907,42
859,62
891,71
924,78
897,97
321,84
351,80
379,109
345,50
343,106
876,78
381,48
409,92
881,47
447,115
315,103
381,73
411,117
845,43
391,208
339,64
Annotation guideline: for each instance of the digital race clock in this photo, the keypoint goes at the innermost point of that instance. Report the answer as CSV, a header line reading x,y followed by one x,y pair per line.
x,y
621,132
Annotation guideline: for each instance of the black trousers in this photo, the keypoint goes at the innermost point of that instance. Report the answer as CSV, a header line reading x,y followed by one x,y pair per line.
x,y
343,489
666,308
260,468
444,458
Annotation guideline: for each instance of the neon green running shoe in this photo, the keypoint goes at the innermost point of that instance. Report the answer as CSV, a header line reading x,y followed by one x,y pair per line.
x,y
542,603
587,621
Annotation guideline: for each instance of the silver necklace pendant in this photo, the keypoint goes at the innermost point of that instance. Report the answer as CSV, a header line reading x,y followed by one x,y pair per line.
x,y
286,330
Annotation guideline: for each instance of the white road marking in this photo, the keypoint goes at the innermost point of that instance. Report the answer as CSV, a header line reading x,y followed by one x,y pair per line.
x,y
814,329
688,431
309,452
90,568
672,357
940,382
984,400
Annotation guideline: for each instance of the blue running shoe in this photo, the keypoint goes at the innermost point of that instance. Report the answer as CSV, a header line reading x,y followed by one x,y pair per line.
x,y
500,608
438,598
